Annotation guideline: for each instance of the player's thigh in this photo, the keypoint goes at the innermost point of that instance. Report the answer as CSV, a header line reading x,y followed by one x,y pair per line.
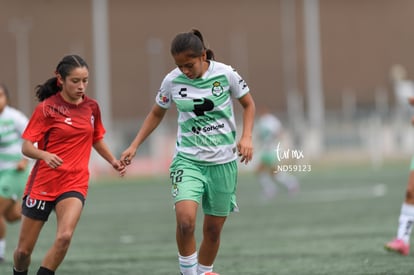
x,y
187,179
68,211
220,190
14,212
5,204
29,233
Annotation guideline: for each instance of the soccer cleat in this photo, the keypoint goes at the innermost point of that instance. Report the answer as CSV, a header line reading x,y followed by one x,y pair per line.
x,y
398,246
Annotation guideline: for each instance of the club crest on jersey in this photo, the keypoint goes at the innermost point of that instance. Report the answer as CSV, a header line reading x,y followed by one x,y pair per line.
x,y
174,191
217,89
92,120
30,202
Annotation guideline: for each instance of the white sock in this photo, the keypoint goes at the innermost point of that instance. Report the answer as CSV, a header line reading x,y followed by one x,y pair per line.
x,y
2,248
188,264
406,222
204,268
269,187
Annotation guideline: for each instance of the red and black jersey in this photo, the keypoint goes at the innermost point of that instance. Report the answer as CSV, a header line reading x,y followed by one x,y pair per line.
x,y
69,131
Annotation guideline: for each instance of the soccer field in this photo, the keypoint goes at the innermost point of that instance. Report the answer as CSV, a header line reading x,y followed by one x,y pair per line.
x,y
337,224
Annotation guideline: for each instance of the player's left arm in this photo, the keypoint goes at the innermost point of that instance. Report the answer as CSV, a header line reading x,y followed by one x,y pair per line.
x,y
245,144
103,150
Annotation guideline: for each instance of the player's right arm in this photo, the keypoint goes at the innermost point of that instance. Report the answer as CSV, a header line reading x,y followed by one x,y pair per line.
x,y
151,122
34,131
31,151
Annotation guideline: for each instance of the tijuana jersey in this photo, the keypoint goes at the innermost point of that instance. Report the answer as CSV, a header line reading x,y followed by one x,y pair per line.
x,y
69,131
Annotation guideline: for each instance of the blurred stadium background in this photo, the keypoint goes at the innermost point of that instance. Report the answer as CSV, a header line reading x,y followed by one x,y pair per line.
x,y
336,72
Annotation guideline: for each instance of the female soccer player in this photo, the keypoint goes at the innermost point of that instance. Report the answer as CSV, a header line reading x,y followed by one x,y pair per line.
x,y
65,125
269,131
13,166
204,168
401,243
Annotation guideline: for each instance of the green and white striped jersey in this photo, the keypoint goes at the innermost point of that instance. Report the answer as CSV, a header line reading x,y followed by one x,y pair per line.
x,y
268,131
12,124
206,124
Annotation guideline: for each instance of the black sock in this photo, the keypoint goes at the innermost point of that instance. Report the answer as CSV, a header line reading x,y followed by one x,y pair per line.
x,y
15,272
44,271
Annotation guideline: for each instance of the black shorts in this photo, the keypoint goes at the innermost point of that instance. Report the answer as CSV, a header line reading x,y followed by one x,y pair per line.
x,y
40,210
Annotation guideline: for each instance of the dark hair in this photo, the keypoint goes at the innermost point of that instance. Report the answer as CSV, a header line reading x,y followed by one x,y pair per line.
x,y
190,41
64,68
6,90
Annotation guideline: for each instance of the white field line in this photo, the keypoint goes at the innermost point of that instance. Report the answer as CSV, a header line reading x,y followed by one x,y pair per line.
x,y
343,194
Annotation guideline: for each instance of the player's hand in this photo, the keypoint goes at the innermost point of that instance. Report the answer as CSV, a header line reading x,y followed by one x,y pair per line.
x,y
21,165
411,100
127,156
120,167
245,149
52,160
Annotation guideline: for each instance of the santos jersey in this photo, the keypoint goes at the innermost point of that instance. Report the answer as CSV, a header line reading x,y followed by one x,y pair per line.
x,y
206,124
12,124
269,128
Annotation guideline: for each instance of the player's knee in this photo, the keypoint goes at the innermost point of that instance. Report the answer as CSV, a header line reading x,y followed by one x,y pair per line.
x,y
13,217
21,254
63,240
186,228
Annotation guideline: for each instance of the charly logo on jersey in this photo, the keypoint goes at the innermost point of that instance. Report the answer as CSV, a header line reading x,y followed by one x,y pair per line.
x,y
217,89
242,83
30,202
183,92
68,121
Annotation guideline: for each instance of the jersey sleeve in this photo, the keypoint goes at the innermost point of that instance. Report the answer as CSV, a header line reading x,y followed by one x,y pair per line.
x,y
99,129
164,97
238,87
37,125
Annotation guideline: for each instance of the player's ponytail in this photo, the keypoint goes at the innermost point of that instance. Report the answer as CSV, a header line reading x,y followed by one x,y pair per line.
x,y
47,89
64,68
191,41
209,52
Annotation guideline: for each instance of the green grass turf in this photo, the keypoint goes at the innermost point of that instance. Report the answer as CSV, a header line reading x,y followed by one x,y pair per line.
x,y
337,224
